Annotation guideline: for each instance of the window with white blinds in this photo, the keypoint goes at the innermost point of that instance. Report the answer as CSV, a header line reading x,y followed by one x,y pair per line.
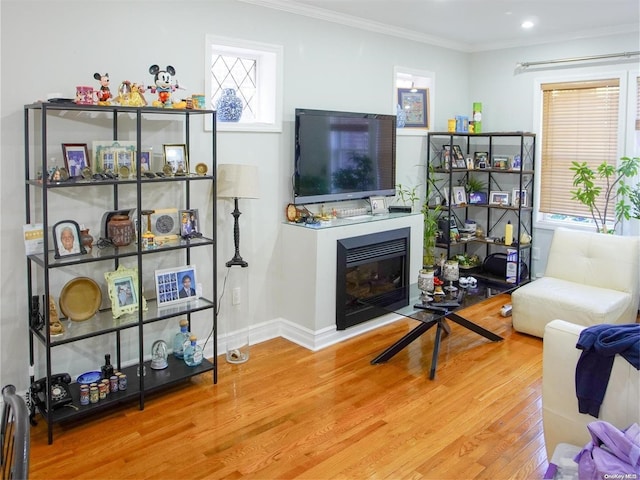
x,y
637,103
579,123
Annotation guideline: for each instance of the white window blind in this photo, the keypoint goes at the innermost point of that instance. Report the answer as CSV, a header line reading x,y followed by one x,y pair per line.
x,y
579,123
637,103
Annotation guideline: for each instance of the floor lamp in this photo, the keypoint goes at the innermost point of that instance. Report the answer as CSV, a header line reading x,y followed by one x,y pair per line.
x,y
237,181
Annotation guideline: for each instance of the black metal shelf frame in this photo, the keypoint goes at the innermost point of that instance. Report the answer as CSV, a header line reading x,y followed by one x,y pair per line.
x,y
522,143
37,190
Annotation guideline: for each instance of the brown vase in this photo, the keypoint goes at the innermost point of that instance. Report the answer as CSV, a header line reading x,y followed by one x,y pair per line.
x,y
120,230
86,239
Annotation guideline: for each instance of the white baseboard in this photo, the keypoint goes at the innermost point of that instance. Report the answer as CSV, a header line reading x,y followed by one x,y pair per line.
x,y
309,339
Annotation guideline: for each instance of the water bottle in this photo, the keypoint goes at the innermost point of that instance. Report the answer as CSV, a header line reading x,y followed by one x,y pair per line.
x,y
181,338
193,353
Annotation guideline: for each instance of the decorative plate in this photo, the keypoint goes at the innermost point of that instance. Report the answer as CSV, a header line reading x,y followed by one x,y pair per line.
x,y
202,169
80,299
89,377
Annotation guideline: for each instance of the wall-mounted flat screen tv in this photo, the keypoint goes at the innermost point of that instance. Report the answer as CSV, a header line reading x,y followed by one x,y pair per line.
x,y
343,156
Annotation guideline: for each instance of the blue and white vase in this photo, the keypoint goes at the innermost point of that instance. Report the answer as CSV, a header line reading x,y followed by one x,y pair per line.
x,y
401,117
229,106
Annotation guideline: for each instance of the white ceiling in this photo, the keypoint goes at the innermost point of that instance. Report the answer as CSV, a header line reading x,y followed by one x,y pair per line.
x,y
475,25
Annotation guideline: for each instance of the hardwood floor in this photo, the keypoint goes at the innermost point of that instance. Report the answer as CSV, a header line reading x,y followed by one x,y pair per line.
x,y
292,413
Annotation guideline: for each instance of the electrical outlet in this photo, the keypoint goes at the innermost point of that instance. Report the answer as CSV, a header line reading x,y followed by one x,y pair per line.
x,y
535,253
235,296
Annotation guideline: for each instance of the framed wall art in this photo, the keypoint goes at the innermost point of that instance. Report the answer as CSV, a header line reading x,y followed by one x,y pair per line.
x,y
415,103
76,158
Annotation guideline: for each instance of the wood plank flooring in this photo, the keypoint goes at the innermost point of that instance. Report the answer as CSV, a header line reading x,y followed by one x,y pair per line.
x,y
292,413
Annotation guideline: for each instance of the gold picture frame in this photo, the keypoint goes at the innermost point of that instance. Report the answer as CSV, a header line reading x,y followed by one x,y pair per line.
x,y
122,287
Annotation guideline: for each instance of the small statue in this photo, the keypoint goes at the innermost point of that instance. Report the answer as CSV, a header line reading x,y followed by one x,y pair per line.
x,y
130,95
104,94
163,86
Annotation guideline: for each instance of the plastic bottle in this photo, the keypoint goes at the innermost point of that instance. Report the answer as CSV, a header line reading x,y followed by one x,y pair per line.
x,y
508,233
193,353
180,339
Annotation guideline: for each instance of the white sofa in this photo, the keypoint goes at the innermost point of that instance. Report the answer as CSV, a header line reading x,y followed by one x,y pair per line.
x,y
590,278
561,420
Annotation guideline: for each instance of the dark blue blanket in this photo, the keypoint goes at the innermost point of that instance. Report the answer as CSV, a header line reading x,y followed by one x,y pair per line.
x,y
599,345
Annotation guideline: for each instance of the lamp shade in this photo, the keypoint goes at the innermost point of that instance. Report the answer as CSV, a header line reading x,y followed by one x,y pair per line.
x,y
237,181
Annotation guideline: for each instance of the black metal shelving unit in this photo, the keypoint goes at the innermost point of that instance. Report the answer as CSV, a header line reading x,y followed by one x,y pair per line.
x,y
39,119
442,174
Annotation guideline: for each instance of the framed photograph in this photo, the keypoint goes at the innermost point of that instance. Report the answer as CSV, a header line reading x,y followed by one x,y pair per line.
x,y
175,285
516,162
105,154
477,198
189,226
378,205
459,161
175,155
145,161
66,239
480,159
519,198
500,163
499,198
415,103
122,286
76,158
459,196
446,157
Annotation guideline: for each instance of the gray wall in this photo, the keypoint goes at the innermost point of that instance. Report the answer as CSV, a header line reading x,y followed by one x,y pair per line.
x,y
54,46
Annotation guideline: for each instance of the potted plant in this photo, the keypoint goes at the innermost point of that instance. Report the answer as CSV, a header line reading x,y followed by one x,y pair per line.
x,y
431,216
474,184
408,195
615,189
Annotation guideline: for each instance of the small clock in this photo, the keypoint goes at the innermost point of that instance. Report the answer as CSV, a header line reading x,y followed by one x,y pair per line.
x,y
292,212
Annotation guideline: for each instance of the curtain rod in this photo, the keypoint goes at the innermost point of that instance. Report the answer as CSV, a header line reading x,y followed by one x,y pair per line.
x,y
579,59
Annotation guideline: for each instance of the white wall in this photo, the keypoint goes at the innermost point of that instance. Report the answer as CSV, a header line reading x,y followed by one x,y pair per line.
x,y
54,46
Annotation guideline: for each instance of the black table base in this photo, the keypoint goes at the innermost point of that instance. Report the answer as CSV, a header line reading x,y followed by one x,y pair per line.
x,y
441,324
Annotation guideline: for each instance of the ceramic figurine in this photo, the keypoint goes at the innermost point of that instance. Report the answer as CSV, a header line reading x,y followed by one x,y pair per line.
x,y
130,95
104,94
163,85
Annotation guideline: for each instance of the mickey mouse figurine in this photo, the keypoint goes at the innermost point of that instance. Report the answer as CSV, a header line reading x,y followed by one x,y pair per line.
x,y
162,82
104,94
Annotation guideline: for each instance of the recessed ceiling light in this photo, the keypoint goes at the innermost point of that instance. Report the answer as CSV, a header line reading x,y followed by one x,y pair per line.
x,y
527,24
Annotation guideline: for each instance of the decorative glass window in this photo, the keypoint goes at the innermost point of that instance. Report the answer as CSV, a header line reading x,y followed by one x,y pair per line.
x,y
254,71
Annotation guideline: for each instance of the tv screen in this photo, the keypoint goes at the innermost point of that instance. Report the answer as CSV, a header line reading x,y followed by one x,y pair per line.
x,y
343,156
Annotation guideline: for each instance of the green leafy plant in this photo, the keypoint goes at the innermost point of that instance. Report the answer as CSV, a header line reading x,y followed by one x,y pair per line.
x,y
431,216
634,196
474,184
408,195
615,189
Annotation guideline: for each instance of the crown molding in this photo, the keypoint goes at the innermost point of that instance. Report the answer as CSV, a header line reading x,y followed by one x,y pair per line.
x,y
357,22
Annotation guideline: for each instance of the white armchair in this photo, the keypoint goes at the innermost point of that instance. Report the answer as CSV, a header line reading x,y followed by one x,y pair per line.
x,y
590,278
561,420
